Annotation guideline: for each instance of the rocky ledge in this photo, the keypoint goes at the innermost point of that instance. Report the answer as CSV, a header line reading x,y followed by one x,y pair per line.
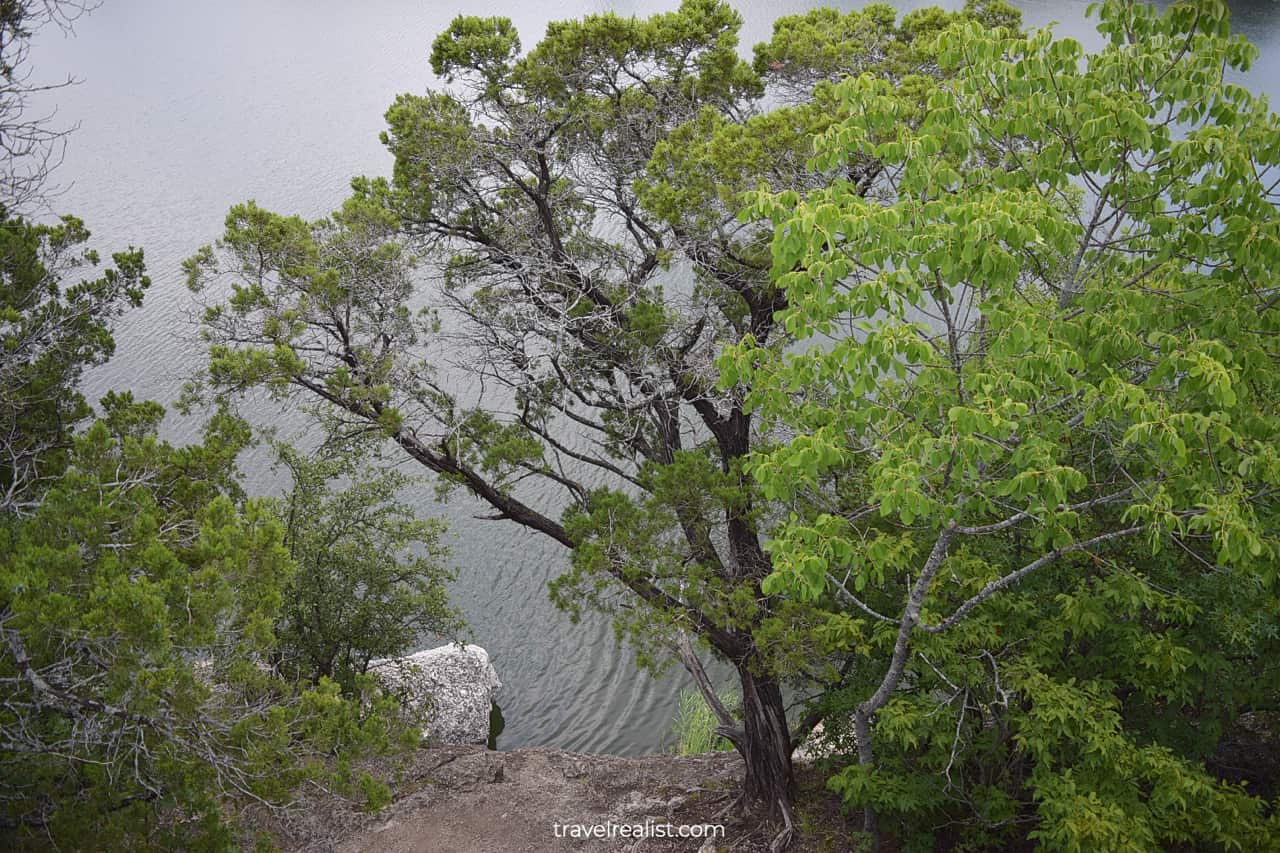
x,y
457,680
466,799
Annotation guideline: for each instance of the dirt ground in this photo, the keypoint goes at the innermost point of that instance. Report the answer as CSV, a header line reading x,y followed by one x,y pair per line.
x,y
509,802
470,800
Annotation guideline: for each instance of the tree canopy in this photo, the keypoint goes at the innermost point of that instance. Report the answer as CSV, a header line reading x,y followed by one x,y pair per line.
x,y
1030,425
139,617
50,331
578,204
370,577
135,586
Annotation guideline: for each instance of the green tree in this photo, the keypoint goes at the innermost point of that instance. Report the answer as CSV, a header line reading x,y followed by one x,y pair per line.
x,y
138,603
134,602
49,333
1034,411
370,578
579,203
139,588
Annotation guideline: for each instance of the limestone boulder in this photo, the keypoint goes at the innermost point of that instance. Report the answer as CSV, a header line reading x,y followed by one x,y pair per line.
x,y
457,680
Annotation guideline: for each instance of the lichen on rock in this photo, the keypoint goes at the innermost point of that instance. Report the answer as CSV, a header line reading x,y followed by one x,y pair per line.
x,y
458,681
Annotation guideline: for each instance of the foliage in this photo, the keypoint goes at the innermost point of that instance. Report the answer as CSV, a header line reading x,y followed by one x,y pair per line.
x,y
132,589
50,329
49,333
369,578
137,604
1033,424
823,45
139,588
578,204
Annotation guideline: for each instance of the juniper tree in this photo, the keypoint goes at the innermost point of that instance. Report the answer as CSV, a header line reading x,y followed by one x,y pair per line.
x,y
139,607
578,206
52,327
134,602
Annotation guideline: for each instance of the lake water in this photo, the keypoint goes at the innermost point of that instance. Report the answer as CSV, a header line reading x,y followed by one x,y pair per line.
x,y
187,108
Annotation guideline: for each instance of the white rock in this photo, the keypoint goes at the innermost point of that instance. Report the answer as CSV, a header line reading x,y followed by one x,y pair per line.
x,y
823,744
458,680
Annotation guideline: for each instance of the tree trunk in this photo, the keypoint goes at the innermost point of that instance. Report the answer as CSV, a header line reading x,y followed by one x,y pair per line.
x,y
867,758
765,745
763,741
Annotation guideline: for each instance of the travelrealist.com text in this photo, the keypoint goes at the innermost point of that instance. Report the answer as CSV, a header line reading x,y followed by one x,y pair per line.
x,y
648,829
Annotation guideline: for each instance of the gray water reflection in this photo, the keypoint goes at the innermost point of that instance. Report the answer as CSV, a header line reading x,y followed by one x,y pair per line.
x,y
187,108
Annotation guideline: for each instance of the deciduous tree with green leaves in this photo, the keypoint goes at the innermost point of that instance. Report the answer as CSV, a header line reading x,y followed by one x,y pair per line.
x,y
1034,417
578,202
370,577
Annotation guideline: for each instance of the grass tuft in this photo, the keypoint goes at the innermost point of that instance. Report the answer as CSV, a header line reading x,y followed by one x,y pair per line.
x,y
693,726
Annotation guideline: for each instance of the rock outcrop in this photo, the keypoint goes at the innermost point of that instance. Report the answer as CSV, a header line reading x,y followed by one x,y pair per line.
x,y
459,682
823,744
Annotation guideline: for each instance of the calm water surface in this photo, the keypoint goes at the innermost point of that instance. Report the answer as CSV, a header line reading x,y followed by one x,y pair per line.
x,y
188,108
